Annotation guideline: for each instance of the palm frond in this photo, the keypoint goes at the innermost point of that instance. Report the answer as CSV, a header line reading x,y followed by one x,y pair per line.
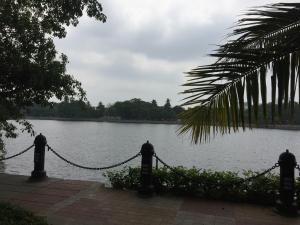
x,y
266,42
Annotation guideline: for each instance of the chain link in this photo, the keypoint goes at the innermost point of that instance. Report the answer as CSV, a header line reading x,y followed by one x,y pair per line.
x,y
92,168
258,175
239,183
135,156
13,156
170,167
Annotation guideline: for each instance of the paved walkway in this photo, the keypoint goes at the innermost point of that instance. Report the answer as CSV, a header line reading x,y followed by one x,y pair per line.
x,y
67,202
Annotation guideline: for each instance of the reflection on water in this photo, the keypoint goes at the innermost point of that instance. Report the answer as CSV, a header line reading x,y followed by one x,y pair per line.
x,y
101,144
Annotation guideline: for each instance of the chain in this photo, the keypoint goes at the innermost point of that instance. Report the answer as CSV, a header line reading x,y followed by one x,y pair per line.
x,y
20,153
258,175
170,167
92,168
239,183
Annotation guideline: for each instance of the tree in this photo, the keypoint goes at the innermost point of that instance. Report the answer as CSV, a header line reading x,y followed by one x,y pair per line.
x,y
154,103
31,71
265,43
100,109
167,104
137,109
178,110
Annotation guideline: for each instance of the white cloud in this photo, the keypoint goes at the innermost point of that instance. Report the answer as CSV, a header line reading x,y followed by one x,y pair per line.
x,y
145,46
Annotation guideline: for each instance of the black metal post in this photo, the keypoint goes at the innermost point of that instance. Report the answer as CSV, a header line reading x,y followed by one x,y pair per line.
x,y
146,188
286,203
39,158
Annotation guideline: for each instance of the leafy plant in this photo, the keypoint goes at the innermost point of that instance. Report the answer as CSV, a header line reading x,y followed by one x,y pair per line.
x,y
221,185
127,178
1,146
31,69
14,215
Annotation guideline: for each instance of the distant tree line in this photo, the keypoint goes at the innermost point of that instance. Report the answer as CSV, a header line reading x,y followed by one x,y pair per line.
x,y
134,109
137,109
283,117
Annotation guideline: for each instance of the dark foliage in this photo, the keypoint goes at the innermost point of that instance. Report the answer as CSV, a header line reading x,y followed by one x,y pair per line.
x,y
137,109
14,215
31,70
264,44
203,184
284,118
134,109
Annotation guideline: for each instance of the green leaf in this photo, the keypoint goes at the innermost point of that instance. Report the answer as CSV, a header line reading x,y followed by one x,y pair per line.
x,y
266,36
263,90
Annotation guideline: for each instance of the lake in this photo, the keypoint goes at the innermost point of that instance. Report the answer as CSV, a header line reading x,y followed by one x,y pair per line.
x,y
98,144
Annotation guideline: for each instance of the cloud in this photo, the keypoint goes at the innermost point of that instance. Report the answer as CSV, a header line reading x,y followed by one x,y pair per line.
x,y
145,46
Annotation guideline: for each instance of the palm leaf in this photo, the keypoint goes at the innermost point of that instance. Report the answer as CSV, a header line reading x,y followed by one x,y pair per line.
x,y
268,38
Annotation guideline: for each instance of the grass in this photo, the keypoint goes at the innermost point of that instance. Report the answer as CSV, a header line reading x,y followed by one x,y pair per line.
x,y
15,215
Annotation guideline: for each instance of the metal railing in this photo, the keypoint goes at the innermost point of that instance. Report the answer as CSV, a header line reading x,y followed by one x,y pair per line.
x,y
287,164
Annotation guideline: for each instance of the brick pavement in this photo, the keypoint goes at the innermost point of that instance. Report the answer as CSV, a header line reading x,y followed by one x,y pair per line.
x,y
65,202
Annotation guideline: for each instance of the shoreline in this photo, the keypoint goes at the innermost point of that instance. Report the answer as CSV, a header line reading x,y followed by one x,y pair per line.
x,y
101,120
279,127
270,126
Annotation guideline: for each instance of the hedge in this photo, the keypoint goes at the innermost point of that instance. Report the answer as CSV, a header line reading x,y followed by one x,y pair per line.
x,y
206,184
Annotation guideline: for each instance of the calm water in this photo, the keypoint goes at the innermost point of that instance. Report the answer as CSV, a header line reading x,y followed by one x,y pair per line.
x,y
101,144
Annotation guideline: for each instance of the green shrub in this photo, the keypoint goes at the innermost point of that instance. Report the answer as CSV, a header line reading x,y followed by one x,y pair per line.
x,y
14,215
207,184
127,178
1,146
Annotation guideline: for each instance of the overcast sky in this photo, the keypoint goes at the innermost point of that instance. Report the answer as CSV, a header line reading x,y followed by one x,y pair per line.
x,y
146,45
